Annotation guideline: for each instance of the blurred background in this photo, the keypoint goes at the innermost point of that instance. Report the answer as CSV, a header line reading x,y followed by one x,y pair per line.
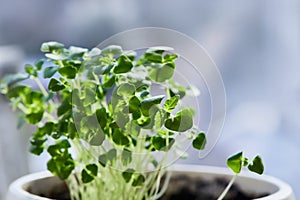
x,y
255,44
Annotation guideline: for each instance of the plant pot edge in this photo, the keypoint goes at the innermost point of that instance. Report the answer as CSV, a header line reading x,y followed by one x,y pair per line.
x,y
285,192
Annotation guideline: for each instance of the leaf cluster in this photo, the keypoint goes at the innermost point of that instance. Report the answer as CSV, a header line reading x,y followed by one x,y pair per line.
x,y
102,96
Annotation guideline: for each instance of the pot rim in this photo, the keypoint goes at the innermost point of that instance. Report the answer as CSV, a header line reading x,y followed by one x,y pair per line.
x,y
17,186
284,190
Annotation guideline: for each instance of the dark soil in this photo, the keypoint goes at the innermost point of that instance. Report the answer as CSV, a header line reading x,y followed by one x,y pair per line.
x,y
189,188
181,187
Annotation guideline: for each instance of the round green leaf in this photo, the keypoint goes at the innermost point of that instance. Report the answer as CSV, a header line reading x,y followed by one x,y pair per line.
x,y
124,65
257,165
55,85
148,103
127,174
50,71
171,103
119,138
89,173
138,181
51,46
200,141
163,73
134,104
126,89
68,72
235,162
182,121
112,50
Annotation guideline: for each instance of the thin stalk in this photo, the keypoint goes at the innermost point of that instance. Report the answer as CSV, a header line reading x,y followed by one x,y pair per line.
x,y
22,108
227,188
165,185
43,90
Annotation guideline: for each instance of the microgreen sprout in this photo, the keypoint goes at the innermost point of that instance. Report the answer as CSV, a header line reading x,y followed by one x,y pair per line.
x,y
100,121
236,162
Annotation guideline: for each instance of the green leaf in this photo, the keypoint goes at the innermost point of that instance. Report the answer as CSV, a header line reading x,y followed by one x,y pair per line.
x,y
90,96
61,163
176,89
127,174
86,177
61,166
76,52
159,49
171,103
59,148
97,139
100,70
200,141
50,71
182,121
89,173
161,144
55,85
93,169
101,117
48,128
51,46
112,50
17,91
36,150
94,52
64,108
245,162
126,89
143,121
235,162
30,70
138,181
126,157
34,98
57,57
124,65
68,72
170,57
159,119
39,64
109,81
163,73
257,165
72,131
134,104
130,54
13,79
148,103
62,127
34,118
37,142
110,156
153,57
119,138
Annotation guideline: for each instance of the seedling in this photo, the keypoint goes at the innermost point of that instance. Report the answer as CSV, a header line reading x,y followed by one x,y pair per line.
x,y
101,121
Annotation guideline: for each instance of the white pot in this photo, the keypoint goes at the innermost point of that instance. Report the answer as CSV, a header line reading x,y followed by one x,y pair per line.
x,y
42,182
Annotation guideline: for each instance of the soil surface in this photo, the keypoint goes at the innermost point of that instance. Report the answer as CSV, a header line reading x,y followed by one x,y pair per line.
x,y
189,188
181,187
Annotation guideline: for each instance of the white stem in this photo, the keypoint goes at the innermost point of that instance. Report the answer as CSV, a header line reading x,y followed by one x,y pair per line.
x,y
40,85
43,90
227,188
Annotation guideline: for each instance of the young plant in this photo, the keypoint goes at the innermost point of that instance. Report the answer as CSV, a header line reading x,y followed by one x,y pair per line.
x,y
109,119
236,163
